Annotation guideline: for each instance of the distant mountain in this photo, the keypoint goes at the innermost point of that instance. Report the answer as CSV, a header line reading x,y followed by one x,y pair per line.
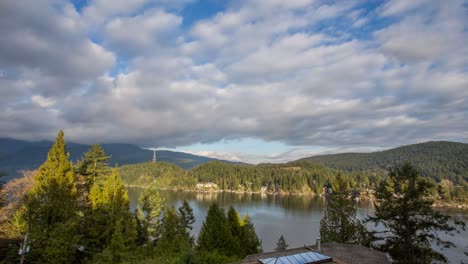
x,y
18,155
435,159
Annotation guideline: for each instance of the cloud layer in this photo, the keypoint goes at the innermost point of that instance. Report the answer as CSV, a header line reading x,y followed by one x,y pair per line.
x,y
307,73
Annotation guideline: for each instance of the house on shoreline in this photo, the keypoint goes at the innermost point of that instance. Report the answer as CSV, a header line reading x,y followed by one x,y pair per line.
x,y
207,185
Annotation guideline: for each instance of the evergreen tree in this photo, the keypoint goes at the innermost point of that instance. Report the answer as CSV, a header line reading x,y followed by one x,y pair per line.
x,y
110,205
53,207
235,223
404,208
142,235
94,165
339,223
281,245
116,249
186,213
250,243
151,205
215,234
173,237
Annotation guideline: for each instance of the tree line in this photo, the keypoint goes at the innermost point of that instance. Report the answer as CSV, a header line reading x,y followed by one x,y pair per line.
x,y
81,214
303,177
299,177
408,224
436,160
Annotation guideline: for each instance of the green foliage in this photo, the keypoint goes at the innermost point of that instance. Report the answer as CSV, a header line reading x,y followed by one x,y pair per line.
x,y
151,208
173,237
110,209
437,160
210,257
229,235
186,213
404,209
281,245
215,233
294,177
52,208
235,223
250,243
141,230
161,174
116,250
339,223
94,165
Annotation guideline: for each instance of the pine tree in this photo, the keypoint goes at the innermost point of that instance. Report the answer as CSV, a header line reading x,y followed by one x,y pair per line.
x,y
404,208
339,223
115,251
235,223
110,205
215,234
142,236
281,245
186,213
173,237
151,205
94,165
250,243
53,207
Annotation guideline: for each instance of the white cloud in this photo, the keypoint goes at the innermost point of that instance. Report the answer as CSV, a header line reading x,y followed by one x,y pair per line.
x,y
42,101
436,34
397,7
253,70
218,155
141,33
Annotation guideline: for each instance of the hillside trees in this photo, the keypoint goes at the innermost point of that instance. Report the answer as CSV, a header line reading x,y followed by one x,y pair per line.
x,y
215,233
228,235
147,215
186,213
94,165
250,243
173,236
339,223
109,216
52,213
404,209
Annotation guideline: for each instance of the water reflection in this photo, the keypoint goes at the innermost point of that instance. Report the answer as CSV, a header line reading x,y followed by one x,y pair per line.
x,y
296,217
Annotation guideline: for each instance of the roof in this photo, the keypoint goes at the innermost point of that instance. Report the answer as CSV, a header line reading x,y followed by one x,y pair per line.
x,y
337,252
289,256
299,258
353,254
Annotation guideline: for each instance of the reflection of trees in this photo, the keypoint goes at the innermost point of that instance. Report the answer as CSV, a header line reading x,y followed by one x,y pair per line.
x,y
296,204
206,197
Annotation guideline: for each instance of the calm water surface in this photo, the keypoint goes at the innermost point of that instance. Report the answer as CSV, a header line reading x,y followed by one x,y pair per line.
x,y
295,217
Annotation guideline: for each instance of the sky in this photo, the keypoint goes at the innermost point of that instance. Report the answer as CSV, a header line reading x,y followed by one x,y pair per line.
x,y
254,81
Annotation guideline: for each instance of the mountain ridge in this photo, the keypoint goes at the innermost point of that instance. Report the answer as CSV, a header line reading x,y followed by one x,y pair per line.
x,y
435,159
16,155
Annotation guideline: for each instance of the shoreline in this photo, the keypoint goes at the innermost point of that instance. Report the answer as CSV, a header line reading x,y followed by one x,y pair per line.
x,y
436,204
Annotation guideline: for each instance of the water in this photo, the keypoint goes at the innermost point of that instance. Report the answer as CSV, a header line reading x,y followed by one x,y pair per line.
x,y
295,217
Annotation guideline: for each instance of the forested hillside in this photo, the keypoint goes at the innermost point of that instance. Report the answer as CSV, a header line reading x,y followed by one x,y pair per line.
x,y
437,160
300,177
161,174
16,155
